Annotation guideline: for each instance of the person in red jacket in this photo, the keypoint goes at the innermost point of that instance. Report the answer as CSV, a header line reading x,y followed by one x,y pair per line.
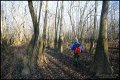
x,y
77,52
77,48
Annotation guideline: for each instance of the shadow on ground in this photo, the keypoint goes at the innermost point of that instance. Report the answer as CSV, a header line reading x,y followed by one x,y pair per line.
x,y
66,59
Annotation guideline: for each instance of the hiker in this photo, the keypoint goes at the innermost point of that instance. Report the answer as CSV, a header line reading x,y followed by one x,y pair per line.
x,y
77,48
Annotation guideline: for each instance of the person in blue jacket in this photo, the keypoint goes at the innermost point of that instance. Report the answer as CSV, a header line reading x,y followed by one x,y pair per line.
x,y
77,48
75,43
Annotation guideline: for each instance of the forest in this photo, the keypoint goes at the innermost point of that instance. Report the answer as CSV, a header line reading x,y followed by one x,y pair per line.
x,y
59,39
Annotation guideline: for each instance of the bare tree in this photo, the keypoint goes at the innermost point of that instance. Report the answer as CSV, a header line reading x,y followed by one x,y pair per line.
x,y
30,62
101,57
93,37
55,41
71,20
80,28
44,41
61,29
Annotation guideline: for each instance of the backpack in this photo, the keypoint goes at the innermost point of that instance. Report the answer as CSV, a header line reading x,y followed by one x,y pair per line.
x,y
77,50
72,47
76,44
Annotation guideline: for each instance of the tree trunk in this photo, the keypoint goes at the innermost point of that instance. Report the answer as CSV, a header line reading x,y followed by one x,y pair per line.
x,y
101,57
30,60
61,30
55,41
44,41
71,20
93,37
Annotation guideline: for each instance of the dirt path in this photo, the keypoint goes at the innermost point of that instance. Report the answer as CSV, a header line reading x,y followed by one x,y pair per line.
x,y
60,66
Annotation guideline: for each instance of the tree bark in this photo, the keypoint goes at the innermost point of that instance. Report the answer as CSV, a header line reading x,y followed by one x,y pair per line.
x,y
55,41
43,42
93,37
30,60
101,57
61,30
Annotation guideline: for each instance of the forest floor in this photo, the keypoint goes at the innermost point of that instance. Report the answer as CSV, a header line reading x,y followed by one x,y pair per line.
x,y
58,65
